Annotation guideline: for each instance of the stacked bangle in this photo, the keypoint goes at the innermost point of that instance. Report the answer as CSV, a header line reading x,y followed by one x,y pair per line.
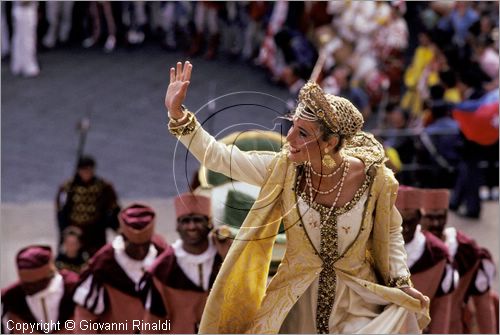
x,y
180,127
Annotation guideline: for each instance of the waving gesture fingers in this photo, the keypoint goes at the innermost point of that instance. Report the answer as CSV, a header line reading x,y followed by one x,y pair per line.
x,y
177,89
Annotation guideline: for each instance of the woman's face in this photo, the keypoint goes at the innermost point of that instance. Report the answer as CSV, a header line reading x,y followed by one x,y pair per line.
x,y
305,140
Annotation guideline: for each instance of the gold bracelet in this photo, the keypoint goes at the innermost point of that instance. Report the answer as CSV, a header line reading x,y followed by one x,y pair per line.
x,y
184,129
403,281
174,125
183,118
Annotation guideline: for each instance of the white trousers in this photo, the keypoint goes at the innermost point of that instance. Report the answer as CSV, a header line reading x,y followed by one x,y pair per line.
x,y
24,39
59,16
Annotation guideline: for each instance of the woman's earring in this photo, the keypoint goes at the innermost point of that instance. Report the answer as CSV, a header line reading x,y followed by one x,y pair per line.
x,y
328,161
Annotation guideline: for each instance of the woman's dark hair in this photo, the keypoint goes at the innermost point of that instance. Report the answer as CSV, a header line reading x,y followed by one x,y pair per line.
x,y
327,134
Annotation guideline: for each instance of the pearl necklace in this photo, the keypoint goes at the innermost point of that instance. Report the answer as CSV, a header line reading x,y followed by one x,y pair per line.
x,y
309,180
309,184
326,175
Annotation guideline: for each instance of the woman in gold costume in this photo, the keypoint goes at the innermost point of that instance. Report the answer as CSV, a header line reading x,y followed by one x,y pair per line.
x,y
344,270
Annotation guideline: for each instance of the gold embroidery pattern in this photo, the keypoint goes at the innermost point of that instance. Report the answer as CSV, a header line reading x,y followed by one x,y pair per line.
x,y
85,198
400,282
329,254
346,229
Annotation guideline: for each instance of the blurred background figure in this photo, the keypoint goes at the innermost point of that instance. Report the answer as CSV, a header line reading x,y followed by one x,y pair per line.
x,y
24,39
89,203
207,34
71,256
96,9
134,19
42,294
175,20
5,32
59,16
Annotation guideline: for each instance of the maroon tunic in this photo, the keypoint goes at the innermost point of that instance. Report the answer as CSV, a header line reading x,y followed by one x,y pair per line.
x,y
122,302
427,275
15,307
466,260
482,313
183,301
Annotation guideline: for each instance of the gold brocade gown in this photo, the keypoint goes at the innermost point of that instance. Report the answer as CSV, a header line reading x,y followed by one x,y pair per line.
x,y
351,311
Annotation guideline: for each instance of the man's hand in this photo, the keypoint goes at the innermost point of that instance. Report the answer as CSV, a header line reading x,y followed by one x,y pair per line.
x,y
177,89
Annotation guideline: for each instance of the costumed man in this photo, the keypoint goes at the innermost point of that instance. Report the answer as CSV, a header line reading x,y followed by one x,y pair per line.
x,y
43,296
431,270
89,203
466,255
111,289
184,274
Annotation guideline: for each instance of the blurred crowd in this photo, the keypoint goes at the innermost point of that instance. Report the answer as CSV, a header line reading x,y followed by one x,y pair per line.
x,y
424,74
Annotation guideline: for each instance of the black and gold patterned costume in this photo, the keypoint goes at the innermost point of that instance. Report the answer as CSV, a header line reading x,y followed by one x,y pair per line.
x,y
92,207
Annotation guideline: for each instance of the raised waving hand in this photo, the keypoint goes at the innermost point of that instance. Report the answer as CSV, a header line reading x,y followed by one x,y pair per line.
x,y
177,89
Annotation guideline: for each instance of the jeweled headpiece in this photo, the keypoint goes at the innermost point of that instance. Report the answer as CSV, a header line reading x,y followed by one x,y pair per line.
x,y
338,113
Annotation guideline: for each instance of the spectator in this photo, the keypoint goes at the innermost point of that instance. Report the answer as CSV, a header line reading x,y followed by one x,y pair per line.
x,y
448,79
95,9
340,83
206,20
71,256
416,76
59,17
441,143
134,19
5,32
24,39
88,202
398,120
42,294
466,189
175,20
487,57
111,290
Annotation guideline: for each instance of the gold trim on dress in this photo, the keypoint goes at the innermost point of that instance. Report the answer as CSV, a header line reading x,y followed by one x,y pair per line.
x,y
329,253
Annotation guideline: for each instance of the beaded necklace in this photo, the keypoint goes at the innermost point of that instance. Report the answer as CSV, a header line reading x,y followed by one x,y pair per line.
x,y
319,174
311,187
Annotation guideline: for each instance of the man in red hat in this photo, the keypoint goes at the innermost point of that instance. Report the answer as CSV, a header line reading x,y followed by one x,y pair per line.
x,y
41,301
430,266
467,258
184,275
111,290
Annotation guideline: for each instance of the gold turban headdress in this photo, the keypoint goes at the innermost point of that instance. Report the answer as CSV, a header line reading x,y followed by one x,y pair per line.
x,y
338,113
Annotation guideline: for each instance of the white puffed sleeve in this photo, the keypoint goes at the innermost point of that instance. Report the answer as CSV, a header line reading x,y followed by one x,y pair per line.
x,y
247,166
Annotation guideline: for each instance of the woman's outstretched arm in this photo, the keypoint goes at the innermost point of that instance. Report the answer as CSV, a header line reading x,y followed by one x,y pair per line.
x,y
250,167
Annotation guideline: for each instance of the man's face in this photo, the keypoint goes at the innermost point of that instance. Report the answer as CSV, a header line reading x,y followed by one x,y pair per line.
x,y
36,286
434,221
136,251
86,173
411,218
193,229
